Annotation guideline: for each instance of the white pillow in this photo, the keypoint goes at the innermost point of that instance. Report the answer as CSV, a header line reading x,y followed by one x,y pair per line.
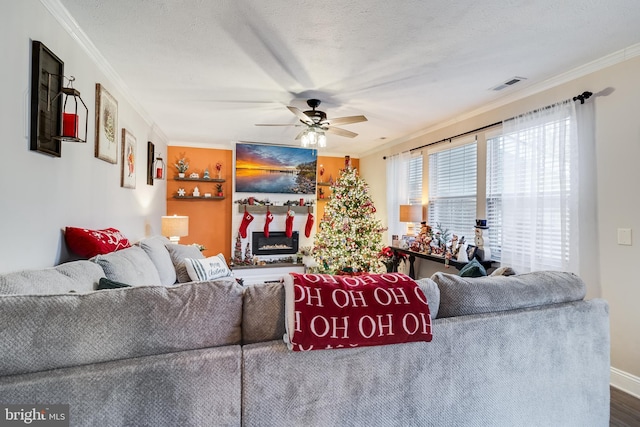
x,y
210,268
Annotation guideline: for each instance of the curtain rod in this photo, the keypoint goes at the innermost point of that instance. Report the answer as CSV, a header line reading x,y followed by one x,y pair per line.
x,y
582,97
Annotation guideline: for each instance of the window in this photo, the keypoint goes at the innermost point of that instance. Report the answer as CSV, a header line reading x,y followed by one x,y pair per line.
x,y
493,236
452,190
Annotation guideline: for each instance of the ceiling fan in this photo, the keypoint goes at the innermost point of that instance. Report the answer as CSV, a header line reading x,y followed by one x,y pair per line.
x,y
317,124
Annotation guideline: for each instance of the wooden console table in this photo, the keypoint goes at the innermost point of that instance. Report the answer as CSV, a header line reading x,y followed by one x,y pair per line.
x,y
412,257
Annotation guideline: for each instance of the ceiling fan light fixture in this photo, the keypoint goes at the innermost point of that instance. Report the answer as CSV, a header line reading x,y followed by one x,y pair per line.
x,y
313,137
322,140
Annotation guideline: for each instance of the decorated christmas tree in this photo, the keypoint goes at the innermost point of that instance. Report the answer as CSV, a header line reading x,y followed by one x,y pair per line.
x,y
349,236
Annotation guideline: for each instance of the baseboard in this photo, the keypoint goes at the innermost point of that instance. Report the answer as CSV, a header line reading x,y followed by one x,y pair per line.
x,y
625,382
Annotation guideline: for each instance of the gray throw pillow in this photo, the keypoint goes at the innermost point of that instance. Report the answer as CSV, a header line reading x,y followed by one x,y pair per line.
x,y
131,265
155,248
178,253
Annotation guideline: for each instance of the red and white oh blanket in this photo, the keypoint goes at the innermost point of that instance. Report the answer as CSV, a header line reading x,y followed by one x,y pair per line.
x,y
325,311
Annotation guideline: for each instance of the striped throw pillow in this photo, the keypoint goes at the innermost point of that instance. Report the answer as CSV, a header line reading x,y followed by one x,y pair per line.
x,y
210,268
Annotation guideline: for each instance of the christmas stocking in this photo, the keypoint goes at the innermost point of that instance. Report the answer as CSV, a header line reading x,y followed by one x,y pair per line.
x,y
246,220
309,225
288,230
267,222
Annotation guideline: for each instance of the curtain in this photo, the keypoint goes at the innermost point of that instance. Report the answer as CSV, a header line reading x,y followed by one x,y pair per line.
x,y
589,244
541,188
397,192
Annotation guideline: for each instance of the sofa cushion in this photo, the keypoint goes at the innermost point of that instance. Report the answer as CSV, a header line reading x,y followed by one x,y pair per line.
x,y
155,248
131,266
77,276
178,253
263,309
41,332
461,296
210,268
89,243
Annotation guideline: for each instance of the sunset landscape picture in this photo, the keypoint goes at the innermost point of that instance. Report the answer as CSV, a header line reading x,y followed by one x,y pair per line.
x,y
262,168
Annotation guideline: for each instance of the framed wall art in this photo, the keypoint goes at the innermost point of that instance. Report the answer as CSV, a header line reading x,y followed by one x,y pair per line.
x,y
150,158
106,125
47,72
128,168
262,168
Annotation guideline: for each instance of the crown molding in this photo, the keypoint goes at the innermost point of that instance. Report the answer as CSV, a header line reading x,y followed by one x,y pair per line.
x,y
64,18
575,73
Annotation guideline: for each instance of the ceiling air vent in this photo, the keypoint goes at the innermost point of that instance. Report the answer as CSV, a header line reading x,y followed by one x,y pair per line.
x,y
509,83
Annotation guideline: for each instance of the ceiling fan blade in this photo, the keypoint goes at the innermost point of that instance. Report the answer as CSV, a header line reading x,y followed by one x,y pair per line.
x,y
341,132
347,120
302,116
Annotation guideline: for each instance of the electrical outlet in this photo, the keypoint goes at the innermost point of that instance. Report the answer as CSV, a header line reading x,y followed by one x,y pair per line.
x,y
624,236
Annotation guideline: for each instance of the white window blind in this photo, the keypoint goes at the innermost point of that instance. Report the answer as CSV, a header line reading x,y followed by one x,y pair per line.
x,y
415,180
452,189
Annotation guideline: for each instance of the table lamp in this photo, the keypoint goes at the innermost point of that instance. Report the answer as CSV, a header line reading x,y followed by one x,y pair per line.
x,y
175,227
410,214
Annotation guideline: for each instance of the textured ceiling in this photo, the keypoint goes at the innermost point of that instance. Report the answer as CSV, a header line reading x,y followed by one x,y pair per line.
x,y
206,71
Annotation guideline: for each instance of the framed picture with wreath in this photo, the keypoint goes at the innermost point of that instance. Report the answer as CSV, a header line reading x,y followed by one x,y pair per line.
x,y
106,125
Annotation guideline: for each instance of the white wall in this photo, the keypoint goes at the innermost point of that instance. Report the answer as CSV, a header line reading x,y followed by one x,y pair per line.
x,y
43,194
617,95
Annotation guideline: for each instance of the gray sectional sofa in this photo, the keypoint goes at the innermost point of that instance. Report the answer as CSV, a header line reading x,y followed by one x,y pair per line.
x,y
524,350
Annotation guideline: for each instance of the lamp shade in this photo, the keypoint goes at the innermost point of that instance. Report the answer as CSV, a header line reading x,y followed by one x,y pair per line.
x,y
175,227
410,213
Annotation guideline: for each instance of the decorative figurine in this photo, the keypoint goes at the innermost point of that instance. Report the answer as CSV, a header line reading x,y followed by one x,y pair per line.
x,y
482,253
206,174
181,192
196,192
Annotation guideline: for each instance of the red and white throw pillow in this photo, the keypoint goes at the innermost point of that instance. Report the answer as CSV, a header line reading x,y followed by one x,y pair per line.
x,y
89,243
323,311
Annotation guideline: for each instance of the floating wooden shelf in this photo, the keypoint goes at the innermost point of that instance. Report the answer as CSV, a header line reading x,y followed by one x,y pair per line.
x,y
261,209
199,179
324,184
198,198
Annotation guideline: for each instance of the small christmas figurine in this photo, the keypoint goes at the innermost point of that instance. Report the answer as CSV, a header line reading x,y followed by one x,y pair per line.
x,y
484,254
248,259
196,192
237,250
206,174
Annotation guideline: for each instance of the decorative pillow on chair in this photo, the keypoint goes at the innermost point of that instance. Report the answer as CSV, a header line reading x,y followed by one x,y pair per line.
x,y
210,268
111,284
89,243
473,269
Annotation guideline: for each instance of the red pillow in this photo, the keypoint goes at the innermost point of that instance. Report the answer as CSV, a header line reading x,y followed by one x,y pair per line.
x,y
89,243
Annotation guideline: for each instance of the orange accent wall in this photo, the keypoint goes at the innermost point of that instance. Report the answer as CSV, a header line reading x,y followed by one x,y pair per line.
x,y
332,167
209,220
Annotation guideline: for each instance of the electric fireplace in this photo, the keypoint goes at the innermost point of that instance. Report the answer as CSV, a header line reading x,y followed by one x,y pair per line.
x,y
276,244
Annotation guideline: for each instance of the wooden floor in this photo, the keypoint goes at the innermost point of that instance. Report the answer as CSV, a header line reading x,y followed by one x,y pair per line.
x,y
625,409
